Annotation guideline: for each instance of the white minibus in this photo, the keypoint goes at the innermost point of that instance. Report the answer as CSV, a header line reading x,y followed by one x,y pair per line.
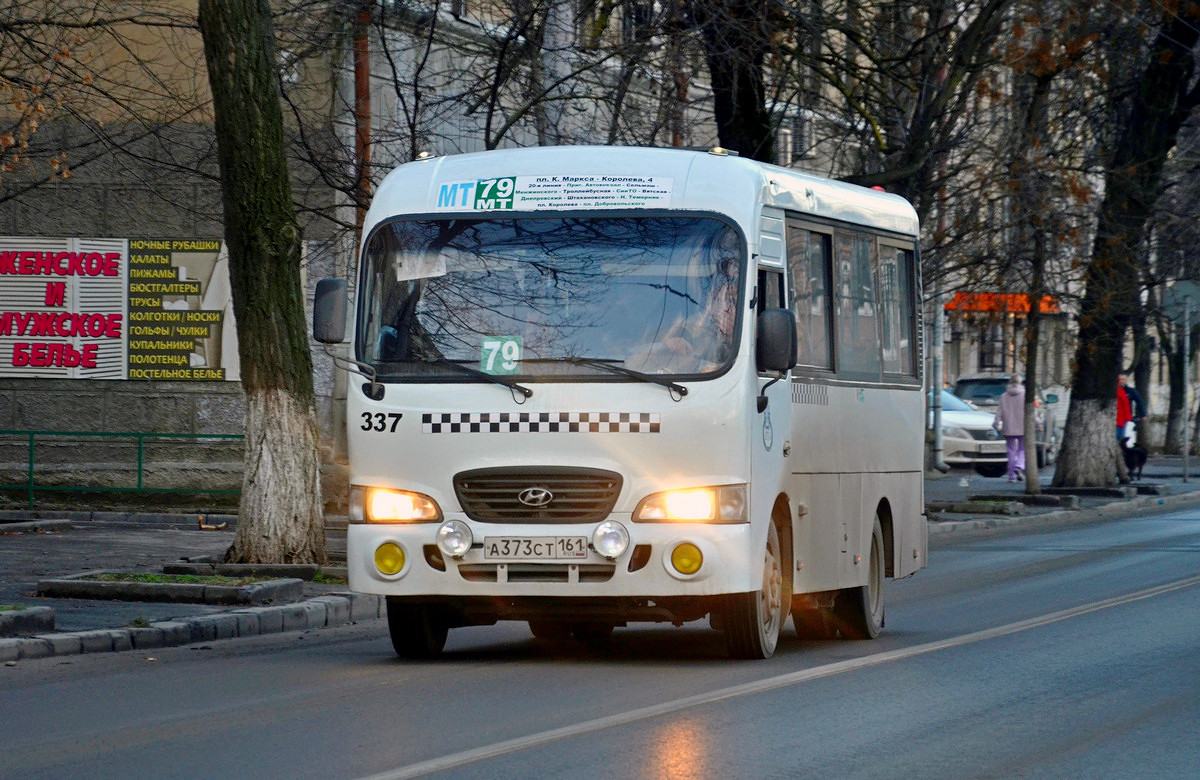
x,y
603,385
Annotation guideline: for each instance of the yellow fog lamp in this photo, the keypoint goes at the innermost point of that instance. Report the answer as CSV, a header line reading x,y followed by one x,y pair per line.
x,y
687,558
389,558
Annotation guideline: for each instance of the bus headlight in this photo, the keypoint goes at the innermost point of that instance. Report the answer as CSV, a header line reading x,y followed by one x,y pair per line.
x,y
610,539
383,505
721,504
454,538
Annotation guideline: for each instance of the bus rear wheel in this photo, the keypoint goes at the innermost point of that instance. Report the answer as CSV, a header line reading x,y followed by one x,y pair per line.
x,y
752,621
418,631
860,610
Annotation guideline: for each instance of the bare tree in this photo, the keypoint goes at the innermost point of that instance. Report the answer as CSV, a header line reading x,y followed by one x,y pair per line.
x,y
1173,258
1149,113
280,517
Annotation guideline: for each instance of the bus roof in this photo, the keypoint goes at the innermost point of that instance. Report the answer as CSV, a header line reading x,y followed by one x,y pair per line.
x,y
587,178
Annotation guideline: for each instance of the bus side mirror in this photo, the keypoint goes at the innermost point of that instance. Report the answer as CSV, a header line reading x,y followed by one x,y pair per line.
x,y
776,346
329,311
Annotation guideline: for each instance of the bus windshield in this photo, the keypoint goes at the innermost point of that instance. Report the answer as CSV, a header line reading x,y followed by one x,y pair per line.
x,y
541,297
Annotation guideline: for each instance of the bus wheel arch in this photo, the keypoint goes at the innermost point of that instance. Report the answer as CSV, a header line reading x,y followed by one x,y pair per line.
x,y
860,610
753,622
883,513
781,517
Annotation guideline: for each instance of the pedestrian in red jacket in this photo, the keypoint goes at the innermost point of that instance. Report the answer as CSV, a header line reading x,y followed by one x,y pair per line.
x,y
1130,407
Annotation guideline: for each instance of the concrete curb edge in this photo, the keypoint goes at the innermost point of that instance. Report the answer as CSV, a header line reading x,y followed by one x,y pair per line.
x,y
319,612
1064,517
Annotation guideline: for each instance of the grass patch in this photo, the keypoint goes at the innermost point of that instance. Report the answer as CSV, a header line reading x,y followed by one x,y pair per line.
x,y
139,622
179,579
11,607
326,579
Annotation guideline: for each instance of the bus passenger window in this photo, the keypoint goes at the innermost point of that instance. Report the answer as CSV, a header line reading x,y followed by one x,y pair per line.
x,y
897,318
770,291
856,312
808,255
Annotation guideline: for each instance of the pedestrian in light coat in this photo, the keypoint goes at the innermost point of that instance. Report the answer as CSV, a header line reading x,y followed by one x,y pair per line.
x,y
1010,422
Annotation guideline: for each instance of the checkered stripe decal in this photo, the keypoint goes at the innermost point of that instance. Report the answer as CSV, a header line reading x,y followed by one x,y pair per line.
x,y
543,422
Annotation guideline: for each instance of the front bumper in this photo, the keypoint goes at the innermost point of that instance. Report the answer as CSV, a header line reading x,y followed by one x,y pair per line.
x,y
643,570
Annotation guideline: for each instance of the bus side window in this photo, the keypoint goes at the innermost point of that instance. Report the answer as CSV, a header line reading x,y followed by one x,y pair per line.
x,y
898,317
770,290
809,258
856,311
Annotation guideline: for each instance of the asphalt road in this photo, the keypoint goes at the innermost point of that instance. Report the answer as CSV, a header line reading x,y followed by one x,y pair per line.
x,y
1060,654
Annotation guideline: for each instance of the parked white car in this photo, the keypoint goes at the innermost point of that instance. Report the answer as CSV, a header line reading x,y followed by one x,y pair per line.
x,y
983,392
968,438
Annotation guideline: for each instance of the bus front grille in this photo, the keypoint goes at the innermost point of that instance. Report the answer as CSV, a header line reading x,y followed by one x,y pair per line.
x,y
537,495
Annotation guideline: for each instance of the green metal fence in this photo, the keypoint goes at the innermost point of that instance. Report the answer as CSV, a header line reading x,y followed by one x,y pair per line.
x,y
31,486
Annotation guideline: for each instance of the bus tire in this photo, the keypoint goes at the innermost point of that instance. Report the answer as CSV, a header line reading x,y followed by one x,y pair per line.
x,y
751,622
418,631
860,610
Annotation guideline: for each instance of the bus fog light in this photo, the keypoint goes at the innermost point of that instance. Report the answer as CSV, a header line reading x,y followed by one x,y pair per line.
x,y
687,558
454,538
610,539
389,558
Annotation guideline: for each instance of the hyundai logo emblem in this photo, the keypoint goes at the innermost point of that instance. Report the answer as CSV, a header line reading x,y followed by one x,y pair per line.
x,y
535,496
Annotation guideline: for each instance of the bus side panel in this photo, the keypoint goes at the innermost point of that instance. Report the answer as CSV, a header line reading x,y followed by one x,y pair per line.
x,y
853,520
819,533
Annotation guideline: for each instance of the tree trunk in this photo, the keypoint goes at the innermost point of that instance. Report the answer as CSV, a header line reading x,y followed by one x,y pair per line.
x,y
736,38
287,522
1160,103
1090,455
280,518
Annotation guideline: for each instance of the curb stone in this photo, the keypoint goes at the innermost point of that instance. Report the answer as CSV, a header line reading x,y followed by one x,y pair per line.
x,y
951,528
25,621
86,586
320,612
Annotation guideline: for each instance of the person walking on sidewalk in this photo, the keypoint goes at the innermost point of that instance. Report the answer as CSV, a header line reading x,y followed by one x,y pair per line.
x,y
1130,408
1010,422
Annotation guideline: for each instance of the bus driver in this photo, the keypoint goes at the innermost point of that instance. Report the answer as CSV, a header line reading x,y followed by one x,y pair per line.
x,y
703,341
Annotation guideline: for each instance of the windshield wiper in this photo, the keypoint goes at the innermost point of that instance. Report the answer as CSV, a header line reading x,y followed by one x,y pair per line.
x,y
475,372
610,366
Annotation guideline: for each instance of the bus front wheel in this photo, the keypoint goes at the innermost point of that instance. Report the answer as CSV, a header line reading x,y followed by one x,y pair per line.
x,y
418,630
860,610
751,622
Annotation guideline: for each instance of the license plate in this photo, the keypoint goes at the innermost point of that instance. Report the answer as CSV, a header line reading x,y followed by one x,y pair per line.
x,y
534,548
992,448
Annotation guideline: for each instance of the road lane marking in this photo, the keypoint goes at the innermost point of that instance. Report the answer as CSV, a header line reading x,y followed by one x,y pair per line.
x,y
455,760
